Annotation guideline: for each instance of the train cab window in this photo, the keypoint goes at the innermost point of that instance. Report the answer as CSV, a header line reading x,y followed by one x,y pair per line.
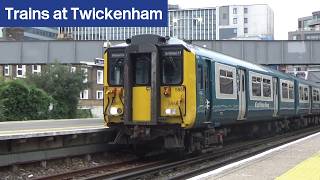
x,y
115,71
171,67
142,68
226,81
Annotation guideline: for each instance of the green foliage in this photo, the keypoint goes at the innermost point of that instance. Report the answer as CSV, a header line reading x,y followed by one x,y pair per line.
x,y
84,113
63,86
19,101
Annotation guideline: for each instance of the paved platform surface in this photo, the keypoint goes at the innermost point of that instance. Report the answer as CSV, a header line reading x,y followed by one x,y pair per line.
x,y
38,128
297,160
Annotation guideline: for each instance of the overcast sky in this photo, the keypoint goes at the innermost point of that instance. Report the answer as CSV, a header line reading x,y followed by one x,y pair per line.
x,y
286,12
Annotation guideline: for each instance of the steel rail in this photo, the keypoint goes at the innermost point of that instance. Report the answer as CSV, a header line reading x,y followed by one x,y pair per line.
x,y
152,171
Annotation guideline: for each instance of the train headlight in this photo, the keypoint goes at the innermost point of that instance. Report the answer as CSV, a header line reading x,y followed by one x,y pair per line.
x,y
171,111
167,91
114,111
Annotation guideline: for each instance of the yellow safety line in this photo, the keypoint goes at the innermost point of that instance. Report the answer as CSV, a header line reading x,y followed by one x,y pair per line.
x,y
13,132
307,170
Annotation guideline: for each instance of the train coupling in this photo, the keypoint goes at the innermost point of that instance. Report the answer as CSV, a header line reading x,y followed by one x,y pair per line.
x,y
140,132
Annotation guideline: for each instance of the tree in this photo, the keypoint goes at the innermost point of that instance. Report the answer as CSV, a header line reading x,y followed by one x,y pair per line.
x,y
19,101
63,85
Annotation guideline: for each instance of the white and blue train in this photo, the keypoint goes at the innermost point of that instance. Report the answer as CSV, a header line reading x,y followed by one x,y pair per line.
x,y
160,90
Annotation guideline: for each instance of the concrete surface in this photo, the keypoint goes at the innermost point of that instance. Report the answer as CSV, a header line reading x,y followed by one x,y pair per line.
x,y
270,164
40,128
308,169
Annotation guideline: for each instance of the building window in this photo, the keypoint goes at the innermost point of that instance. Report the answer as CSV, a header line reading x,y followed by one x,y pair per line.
x,y
245,20
234,10
36,69
99,77
245,30
235,31
85,71
73,69
84,94
235,21
99,95
21,71
7,70
224,16
245,10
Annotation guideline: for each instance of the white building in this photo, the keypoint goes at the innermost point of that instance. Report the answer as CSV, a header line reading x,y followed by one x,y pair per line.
x,y
214,23
1,33
246,22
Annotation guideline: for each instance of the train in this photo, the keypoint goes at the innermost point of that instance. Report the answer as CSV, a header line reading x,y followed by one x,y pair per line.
x,y
164,93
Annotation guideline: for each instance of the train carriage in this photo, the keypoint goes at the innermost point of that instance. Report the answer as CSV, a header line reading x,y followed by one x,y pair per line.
x,y
163,91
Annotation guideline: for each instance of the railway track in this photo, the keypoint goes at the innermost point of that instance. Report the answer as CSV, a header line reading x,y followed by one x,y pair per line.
x,y
91,171
182,169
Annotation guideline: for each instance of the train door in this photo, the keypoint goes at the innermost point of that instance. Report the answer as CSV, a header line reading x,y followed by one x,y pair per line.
x,y
242,94
275,97
141,88
207,87
310,99
204,83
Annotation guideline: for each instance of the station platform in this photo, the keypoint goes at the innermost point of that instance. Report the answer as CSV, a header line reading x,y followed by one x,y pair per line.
x,y
41,128
293,161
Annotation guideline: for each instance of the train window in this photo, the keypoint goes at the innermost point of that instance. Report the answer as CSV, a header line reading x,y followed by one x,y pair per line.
x,y
171,68
284,87
266,87
115,71
314,95
200,76
256,86
142,68
291,93
287,89
226,82
301,93
306,92
260,87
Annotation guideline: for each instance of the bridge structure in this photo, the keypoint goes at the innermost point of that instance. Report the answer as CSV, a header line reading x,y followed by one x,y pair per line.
x,y
73,52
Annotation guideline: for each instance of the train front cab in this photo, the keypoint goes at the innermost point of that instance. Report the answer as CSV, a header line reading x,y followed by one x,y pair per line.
x,y
149,86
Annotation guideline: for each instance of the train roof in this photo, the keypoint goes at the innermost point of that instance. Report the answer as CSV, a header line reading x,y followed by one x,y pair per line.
x,y
225,59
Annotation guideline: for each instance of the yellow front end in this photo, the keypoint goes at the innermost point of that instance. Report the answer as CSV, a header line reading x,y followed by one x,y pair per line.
x,y
177,102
